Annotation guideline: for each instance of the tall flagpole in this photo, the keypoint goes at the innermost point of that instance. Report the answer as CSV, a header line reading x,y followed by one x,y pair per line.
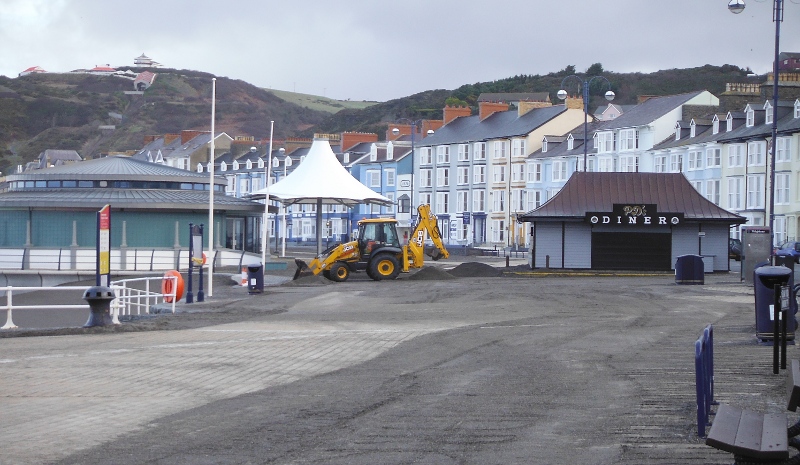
x,y
265,225
210,290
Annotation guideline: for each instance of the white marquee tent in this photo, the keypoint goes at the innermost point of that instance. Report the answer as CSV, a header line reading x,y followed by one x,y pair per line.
x,y
321,179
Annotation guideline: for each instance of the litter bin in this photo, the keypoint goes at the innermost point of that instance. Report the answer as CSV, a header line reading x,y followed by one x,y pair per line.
x,y
784,260
255,278
764,281
689,269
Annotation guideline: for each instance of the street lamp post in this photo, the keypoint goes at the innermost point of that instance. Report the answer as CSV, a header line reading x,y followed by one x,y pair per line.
x,y
414,124
736,7
562,94
282,151
265,225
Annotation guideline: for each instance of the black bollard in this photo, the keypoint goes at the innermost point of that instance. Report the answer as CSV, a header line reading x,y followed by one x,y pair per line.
x,y
99,299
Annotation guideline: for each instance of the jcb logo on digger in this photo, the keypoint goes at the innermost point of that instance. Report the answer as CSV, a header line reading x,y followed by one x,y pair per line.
x,y
420,238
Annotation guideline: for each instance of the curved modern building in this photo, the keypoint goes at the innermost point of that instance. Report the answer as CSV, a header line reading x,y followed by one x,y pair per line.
x,y
151,206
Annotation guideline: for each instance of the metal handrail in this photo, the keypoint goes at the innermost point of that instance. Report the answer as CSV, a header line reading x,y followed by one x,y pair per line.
x,y
9,291
127,298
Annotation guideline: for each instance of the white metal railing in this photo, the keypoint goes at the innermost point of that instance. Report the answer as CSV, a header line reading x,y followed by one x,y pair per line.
x,y
128,259
9,291
128,299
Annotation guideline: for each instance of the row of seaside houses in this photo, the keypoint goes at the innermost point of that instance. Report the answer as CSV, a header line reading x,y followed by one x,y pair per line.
x,y
481,172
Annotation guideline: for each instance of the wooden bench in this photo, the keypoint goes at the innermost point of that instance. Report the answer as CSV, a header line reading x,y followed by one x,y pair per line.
x,y
750,435
754,437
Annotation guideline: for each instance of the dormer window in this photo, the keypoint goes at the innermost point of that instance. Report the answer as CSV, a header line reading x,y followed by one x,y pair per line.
x,y
715,125
373,153
260,163
347,157
750,118
728,122
199,167
767,113
570,142
276,163
288,161
249,164
797,108
678,131
223,166
390,151
544,145
235,165
692,128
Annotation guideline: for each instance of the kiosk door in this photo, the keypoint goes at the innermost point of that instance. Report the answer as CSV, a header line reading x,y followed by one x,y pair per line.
x,y
631,251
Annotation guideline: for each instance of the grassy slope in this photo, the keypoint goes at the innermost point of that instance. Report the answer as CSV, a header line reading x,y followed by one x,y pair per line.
x,y
317,103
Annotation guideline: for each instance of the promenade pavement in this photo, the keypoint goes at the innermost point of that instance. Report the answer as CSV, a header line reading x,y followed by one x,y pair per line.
x,y
600,371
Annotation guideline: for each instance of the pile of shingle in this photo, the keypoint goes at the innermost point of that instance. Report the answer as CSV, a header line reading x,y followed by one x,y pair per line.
x,y
475,270
431,273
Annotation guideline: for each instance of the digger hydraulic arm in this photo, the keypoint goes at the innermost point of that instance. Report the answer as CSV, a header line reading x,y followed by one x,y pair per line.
x,y
414,252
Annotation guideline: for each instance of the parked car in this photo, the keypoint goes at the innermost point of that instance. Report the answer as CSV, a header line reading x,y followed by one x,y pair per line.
x,y
790,249
735,249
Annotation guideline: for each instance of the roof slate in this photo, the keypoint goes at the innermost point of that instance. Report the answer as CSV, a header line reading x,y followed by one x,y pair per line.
x,y
129,199
115,167
648,111
498,125
598,192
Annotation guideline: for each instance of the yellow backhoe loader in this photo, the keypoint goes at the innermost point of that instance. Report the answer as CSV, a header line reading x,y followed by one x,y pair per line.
x,y
378,251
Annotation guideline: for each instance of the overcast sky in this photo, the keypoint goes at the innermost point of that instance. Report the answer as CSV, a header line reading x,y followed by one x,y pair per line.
x,y
380,50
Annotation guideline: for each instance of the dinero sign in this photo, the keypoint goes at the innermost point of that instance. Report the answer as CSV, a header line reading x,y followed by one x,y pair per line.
x,y
634,215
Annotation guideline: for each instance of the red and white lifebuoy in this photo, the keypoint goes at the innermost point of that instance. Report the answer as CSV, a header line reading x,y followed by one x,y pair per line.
x,y
172,283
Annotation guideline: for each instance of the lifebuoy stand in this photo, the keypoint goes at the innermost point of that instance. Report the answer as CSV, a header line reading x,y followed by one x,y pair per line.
x,y
172,284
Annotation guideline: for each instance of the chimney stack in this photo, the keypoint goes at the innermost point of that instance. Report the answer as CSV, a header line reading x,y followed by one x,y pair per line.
x,y
487,109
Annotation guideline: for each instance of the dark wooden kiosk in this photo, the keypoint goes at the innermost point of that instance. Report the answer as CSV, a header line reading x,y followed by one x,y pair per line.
x,y
628,221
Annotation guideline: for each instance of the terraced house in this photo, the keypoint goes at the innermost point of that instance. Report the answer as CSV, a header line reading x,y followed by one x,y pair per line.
x,y
472,171
725,156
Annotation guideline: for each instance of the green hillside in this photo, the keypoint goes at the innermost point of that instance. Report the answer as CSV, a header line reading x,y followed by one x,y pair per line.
x,y
627,86
317,103
77,111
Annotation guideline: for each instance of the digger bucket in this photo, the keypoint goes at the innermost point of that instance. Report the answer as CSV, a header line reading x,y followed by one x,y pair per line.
x,y
302,269
435,254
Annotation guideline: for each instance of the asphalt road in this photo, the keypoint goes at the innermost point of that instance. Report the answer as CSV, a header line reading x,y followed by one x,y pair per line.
x,y
528,370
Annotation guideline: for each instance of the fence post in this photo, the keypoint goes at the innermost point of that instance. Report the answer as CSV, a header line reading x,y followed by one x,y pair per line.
x,y
704,377
9,321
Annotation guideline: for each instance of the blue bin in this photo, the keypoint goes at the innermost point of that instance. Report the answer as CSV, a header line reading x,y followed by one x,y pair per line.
x,y
764,280
689,269
255,278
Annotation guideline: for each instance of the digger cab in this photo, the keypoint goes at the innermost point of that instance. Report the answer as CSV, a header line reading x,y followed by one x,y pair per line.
x,y
376,234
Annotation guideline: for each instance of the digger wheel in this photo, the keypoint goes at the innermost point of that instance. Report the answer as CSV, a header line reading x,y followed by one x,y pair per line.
x,y
384,266
338,272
